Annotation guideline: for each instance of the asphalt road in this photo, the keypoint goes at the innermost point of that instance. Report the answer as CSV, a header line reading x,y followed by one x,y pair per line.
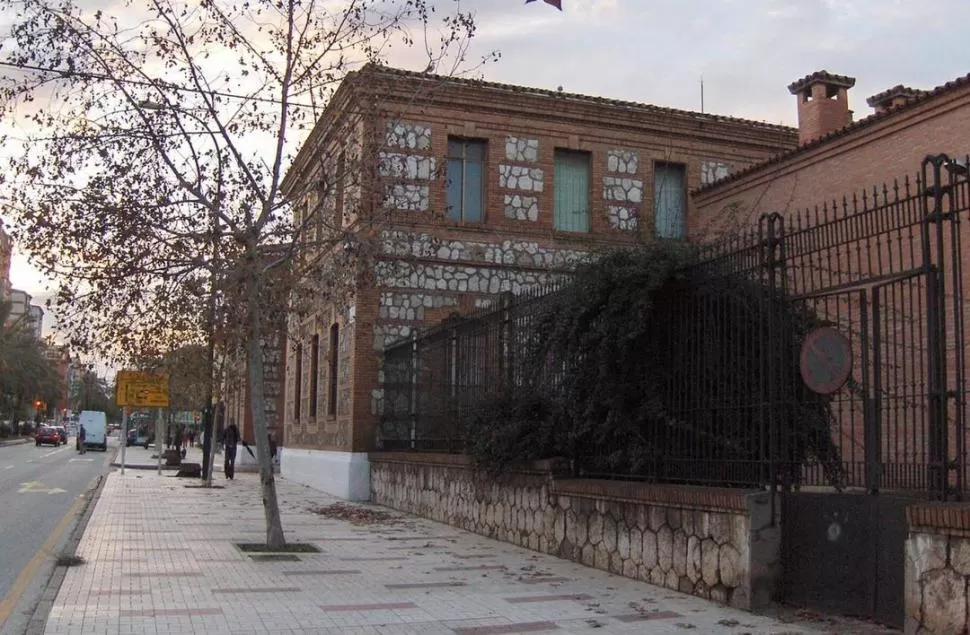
x,y
39,486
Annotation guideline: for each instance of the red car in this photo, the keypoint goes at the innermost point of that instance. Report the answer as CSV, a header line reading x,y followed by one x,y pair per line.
x,y
47,434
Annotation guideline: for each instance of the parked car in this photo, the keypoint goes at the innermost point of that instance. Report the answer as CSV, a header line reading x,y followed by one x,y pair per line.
x,y
61,430
136,437
47,435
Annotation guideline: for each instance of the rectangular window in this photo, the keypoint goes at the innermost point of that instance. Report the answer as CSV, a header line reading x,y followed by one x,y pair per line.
x,y
571,181
314,373
465,183
340,179
334,368
298,382
669,199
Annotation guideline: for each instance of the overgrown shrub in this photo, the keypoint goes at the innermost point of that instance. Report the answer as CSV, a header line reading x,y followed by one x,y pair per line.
x,y
650,367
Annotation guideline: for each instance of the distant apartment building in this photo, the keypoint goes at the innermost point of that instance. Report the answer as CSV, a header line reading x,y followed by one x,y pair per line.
x,y
35,314
19,305
23,310
60,359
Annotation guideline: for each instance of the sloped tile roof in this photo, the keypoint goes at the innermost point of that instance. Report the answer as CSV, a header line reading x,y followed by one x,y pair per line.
x,y
925,96
896,91
576,97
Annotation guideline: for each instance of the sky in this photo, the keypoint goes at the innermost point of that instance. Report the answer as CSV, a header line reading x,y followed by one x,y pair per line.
x,y
745,51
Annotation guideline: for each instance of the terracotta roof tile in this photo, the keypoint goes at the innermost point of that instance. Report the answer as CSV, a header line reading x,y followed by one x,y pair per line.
x,y
896,91
821,76
575,97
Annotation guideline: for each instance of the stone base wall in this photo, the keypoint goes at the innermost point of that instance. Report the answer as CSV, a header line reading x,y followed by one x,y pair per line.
x,y
714,543
938,569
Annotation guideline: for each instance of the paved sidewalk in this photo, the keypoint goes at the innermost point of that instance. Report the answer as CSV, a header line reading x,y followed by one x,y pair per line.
x,y
160,558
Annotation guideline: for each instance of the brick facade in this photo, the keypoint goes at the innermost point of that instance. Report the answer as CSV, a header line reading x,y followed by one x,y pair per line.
x,y
860,166
869,153
427,266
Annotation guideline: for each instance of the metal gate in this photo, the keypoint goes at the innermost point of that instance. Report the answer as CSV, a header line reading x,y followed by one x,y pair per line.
x,y
892,290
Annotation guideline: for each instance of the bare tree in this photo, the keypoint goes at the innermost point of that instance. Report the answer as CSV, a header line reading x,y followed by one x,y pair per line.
x,y
151,146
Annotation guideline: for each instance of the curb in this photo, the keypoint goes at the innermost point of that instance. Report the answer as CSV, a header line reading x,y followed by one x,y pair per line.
x,y
38,621
14,442
129,466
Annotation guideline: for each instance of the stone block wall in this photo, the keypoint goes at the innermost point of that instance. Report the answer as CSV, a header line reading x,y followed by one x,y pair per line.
x,y
938,569
712,543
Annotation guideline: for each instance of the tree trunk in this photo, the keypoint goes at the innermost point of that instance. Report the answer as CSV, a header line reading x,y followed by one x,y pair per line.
x,y
271,507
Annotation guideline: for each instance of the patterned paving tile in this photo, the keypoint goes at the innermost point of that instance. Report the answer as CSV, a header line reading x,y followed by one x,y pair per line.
x,y
183,575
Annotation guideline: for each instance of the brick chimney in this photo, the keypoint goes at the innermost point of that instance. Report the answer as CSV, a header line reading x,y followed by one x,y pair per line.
x,y
823,104
895,97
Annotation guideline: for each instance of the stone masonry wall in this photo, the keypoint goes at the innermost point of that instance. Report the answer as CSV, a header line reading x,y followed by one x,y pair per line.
x,y
938,569
715,544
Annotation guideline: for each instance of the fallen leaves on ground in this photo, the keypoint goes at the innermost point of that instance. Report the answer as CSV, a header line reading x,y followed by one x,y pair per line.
x,y
356,515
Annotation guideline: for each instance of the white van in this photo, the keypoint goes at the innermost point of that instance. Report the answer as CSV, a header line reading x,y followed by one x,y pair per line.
x,y
95,424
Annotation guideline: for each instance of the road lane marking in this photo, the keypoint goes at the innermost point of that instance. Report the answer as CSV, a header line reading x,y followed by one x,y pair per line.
x,y
19,587
9,467
78,460
38,488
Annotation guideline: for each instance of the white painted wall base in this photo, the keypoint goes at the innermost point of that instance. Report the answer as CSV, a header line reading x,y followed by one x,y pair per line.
x,y
343,474
246,463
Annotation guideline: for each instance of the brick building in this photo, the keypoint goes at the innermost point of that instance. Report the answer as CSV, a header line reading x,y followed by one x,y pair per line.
x,y
837,156
479,189
864,180
60,358
233,391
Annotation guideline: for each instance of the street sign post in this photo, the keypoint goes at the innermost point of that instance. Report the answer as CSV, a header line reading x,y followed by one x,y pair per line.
x,y
124,435
142,390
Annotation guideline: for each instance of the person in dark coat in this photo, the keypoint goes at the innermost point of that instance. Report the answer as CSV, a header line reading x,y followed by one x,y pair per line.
x,y
82,434
230,438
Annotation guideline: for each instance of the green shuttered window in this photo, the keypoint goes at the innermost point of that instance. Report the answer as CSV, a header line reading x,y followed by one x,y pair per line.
x,y
669,199
571,179
465,193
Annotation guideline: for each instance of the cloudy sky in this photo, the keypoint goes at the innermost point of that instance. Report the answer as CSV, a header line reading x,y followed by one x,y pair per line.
x,y
746,51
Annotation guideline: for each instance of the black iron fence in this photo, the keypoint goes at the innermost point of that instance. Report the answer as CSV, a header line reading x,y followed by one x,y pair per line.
x,y
848,368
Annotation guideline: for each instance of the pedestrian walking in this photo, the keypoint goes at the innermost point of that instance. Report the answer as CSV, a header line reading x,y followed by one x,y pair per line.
x,y
82,434
230,438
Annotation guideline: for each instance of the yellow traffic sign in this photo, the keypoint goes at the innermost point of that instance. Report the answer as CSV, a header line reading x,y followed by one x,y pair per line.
x,y
146,390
